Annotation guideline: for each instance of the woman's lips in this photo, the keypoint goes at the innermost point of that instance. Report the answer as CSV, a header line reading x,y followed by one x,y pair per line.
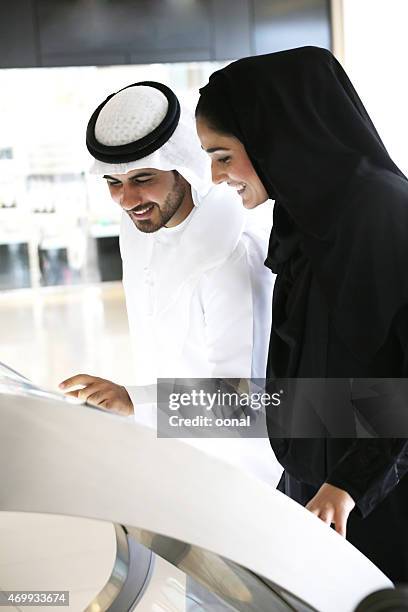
x,y
239,187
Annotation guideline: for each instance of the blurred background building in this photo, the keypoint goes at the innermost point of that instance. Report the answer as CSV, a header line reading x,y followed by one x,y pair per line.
x,y
60,59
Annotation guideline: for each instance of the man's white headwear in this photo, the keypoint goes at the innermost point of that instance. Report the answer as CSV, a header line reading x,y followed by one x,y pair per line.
x,y
144,126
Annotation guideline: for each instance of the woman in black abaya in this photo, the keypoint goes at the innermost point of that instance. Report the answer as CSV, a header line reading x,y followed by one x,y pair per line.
x,y
290,126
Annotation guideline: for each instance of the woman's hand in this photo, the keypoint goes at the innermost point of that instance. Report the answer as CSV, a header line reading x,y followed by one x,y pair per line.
x,y
99,392
333,506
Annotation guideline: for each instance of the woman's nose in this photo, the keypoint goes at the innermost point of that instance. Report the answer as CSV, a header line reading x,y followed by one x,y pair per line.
x,y
217,175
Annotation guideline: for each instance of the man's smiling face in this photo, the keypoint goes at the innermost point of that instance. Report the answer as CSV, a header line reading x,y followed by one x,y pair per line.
x,y
152,198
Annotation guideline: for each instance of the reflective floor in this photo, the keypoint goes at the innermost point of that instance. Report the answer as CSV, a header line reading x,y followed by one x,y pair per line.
x,y
52,333
40,552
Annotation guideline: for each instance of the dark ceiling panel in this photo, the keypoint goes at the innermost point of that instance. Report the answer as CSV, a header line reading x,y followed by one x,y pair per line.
x,y
283,24
17,34
103,32
232,28
123,27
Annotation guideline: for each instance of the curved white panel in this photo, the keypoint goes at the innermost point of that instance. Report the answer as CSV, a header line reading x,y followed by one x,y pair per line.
x,y
69,459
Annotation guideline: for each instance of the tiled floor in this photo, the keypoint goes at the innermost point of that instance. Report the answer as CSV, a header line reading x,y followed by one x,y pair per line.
x,y
48,335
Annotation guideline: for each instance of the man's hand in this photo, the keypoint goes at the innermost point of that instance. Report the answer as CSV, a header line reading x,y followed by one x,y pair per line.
x,y
332,505
99,392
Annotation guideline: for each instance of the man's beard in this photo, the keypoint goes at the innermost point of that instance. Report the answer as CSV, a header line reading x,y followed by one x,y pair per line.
x,y
170,206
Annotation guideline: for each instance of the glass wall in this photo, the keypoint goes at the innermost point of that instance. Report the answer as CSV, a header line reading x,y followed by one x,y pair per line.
x,y
375,57
57,223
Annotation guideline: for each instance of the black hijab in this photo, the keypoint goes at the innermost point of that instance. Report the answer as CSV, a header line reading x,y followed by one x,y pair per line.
x,y
340,199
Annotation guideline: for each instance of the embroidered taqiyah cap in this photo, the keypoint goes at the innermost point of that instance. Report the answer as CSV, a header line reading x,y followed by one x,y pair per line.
x,y
144,126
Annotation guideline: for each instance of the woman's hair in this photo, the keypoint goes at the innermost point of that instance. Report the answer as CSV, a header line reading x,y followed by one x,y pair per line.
x,y
214,108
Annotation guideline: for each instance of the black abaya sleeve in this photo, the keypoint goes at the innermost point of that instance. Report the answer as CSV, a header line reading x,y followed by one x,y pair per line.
x,y
371,468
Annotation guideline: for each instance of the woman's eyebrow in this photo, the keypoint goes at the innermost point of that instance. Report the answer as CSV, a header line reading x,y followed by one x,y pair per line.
x,y
214,149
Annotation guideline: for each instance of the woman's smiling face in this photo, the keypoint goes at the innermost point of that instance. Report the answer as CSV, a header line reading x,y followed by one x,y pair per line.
x,y
231,164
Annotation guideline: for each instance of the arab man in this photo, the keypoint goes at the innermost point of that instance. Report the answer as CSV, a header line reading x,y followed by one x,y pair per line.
x,y
197,292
